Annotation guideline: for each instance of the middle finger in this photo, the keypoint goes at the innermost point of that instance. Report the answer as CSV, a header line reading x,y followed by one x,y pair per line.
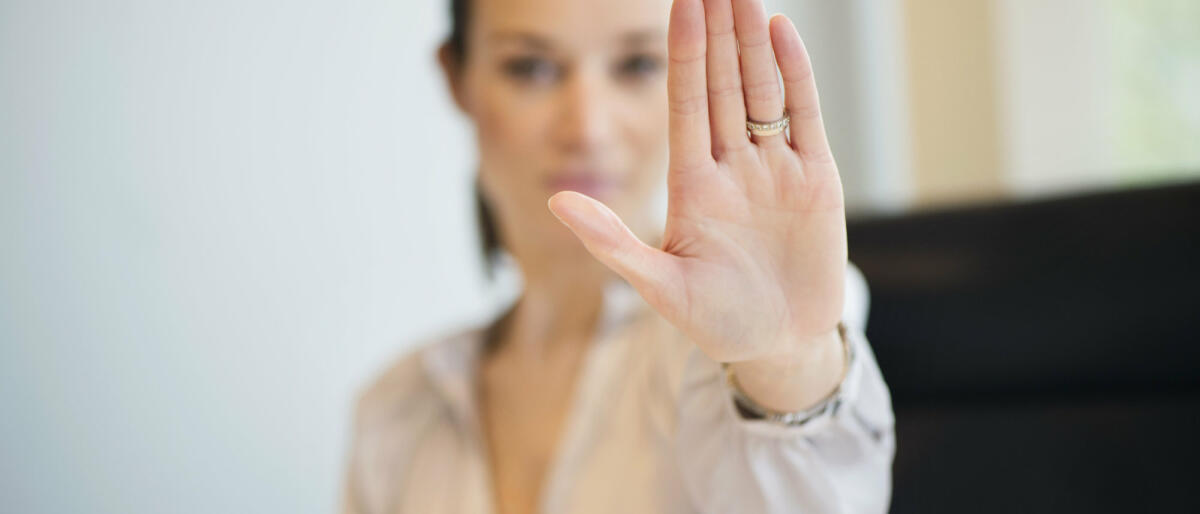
x,y
726,105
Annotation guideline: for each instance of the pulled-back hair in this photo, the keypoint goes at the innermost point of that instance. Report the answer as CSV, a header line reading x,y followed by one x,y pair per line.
x,y
456,42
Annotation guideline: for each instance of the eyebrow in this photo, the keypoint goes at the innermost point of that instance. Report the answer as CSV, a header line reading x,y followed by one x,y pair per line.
x,y
642,37
631,38
524,38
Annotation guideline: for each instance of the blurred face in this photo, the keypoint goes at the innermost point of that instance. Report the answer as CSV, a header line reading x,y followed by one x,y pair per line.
x,y
566,95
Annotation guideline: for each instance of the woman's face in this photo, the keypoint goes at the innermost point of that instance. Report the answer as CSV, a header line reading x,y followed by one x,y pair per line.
x,y
566,95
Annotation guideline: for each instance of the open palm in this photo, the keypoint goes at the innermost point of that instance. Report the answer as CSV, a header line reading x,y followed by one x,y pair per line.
x,y
754,251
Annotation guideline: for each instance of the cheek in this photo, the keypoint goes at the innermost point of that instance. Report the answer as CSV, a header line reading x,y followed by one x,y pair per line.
x,y
510,137
510,134
649,135
502,128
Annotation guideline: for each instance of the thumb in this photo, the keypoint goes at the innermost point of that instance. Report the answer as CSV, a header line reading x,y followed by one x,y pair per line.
x,y
612,243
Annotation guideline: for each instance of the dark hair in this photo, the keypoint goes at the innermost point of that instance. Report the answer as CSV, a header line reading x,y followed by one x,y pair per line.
x,y
459,9
489,236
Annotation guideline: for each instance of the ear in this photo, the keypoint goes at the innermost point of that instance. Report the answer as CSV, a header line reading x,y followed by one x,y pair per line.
x,y
452,71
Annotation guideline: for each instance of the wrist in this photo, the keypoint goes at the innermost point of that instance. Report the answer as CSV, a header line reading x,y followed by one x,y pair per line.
x,y
795,380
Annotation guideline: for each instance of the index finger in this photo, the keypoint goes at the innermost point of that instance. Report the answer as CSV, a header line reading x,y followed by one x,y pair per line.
x,y
687,91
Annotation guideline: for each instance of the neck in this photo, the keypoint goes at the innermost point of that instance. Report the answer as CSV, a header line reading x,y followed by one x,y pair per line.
x,y
558,310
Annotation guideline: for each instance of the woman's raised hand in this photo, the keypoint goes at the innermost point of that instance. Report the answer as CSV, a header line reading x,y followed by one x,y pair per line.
x,y
754,251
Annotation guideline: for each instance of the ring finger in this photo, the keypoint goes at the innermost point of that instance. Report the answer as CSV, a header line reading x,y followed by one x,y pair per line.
x,y
760,81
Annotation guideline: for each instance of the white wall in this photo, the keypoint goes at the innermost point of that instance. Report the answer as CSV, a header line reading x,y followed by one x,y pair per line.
x,y
1054,85
858,53
1098,94
218,219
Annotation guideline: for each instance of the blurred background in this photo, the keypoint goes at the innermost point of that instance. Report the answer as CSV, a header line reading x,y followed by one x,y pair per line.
x,y
219,219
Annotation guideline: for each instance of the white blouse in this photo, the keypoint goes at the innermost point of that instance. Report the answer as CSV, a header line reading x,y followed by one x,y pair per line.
x,y
652,428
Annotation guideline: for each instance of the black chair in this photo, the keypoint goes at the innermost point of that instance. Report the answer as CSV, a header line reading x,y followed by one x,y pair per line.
x,y
1043,356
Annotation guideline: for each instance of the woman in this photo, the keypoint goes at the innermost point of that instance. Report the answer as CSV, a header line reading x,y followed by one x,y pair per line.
x,y
719,369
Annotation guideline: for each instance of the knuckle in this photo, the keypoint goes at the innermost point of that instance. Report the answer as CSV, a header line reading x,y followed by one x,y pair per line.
x,y
688,105
725,90
685,165
751,43
722,148
761,91
798,77
725,30
685,60
821,155
804,112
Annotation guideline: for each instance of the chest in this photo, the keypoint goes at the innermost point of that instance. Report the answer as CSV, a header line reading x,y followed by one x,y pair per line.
x,y
523,415
600,444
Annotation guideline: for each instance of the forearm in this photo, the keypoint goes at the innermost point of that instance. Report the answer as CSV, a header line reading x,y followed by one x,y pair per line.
x,y
796,380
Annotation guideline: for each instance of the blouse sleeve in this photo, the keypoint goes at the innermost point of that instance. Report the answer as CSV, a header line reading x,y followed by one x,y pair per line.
x,y
839,461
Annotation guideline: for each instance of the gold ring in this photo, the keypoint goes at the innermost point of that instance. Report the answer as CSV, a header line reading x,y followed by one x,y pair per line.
x,y
769,128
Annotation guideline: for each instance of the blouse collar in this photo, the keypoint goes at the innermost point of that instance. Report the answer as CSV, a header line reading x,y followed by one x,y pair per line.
x,y
452,365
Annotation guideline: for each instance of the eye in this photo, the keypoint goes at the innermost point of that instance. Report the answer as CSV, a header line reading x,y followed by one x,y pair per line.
x,y
532,69
639,66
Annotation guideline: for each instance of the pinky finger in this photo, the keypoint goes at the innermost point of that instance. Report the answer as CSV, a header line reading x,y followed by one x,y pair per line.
x,y
800,93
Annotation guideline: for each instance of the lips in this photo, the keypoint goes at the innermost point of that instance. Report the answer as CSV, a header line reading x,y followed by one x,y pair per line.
x,y
595,185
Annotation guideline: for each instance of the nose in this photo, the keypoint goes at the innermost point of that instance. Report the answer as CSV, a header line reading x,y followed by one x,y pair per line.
x,y
585,117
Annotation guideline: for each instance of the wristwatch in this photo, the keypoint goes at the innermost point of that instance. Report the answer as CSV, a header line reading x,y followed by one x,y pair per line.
x,y
750,409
